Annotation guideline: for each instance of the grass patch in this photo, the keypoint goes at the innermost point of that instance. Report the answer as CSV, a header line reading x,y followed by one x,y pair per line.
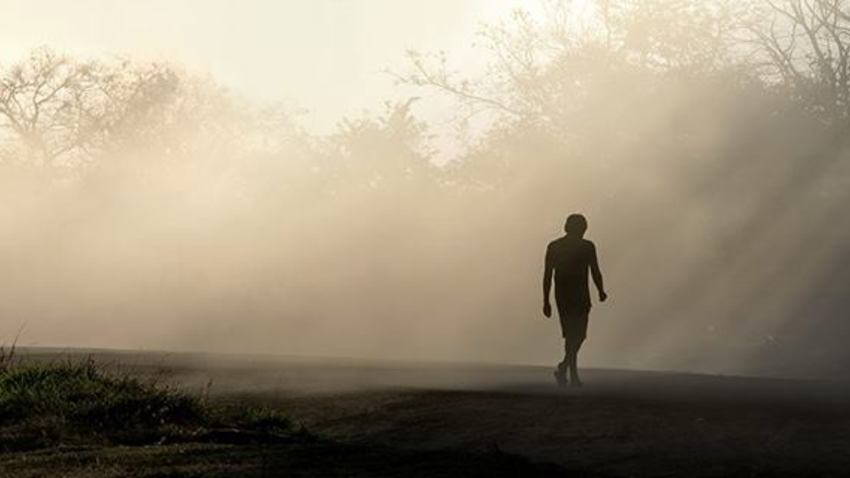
x,y
80,404
76,420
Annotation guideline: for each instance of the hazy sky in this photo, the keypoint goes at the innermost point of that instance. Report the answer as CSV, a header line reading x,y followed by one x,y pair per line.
x,y
324,55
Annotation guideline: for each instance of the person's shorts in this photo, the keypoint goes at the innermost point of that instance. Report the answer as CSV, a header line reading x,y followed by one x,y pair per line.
x,y
574,325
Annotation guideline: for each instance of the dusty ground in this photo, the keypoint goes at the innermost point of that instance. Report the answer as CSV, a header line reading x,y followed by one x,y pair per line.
x,y
449,420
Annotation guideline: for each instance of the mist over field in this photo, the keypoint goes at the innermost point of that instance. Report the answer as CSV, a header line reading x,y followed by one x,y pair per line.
x,y
145,205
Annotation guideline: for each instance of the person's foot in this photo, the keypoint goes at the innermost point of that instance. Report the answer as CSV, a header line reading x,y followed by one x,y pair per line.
x,y
575,382
560,378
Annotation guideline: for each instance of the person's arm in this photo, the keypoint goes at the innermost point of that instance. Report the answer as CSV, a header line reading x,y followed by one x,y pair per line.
x,y
548,268
597,275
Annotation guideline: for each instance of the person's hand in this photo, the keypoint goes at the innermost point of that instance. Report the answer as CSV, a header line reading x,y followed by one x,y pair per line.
x,y
547,309
602,296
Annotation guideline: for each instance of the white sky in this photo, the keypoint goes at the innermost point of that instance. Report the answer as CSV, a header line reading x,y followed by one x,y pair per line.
x,y
324,55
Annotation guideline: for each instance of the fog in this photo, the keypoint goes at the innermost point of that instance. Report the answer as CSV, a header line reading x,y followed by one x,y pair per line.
x,y
144,205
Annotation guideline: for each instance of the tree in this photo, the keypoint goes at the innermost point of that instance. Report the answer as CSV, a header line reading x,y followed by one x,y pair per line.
x,y
40,106
804,47
540,69
60,113
388,151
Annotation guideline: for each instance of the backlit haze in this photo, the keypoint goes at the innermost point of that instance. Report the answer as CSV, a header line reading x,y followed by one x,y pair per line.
x,y
380,178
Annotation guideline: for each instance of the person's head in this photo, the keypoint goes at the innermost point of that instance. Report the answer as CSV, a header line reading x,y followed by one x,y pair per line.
x,y
576,225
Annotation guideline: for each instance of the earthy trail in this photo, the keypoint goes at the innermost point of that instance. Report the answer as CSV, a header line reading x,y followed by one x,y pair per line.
x,y
622,423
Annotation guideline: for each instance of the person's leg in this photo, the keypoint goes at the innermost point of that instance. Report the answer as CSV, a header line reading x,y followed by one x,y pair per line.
x,y
562,366
561,369
578,335
572,355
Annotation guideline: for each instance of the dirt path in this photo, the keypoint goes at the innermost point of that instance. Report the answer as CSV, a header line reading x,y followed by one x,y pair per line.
x,y
621,424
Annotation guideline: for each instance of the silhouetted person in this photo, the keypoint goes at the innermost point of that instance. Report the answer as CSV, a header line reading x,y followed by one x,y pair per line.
x,y
571,258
